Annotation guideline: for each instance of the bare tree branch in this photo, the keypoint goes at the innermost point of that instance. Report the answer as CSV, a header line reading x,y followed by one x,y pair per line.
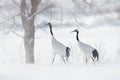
x,y
9,19
14,22
16,3
34,8
48,6
17,34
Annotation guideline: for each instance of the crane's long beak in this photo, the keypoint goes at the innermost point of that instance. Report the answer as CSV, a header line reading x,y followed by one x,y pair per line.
x,y
72,31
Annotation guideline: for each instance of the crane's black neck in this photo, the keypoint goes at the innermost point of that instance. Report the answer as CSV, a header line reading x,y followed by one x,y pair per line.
x,y
51,29
77,36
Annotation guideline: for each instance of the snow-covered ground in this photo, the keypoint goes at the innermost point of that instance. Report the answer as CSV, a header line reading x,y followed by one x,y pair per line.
x,y
59,72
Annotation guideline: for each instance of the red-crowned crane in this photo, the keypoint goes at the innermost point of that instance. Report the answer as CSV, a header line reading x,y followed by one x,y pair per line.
x,y
88,51
59,48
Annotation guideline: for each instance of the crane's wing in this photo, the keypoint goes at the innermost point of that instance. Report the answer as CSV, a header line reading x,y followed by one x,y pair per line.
x,y
85,47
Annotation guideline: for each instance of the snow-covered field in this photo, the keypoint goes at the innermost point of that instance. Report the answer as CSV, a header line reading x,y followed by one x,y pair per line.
x,y
59,72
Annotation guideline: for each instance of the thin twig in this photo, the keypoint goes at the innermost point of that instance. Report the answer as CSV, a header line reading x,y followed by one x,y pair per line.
x,y
14,31
47,6
9,19
17,34
16,3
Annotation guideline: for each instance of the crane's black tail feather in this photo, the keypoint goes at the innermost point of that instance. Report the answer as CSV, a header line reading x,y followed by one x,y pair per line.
x,y
95,54
67,53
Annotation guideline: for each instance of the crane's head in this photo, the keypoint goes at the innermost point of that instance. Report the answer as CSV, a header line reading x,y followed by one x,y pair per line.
x,y
48,23
76,30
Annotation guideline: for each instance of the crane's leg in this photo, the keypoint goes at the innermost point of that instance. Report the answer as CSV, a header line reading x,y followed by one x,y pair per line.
x,y
86,60
92,59
64,59
53,59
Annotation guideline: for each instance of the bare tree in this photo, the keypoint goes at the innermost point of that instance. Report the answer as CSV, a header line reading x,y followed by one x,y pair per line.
x,y
28,25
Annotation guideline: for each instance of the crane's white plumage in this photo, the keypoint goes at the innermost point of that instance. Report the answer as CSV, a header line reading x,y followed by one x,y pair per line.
x,y
59,48
85,48
88,51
